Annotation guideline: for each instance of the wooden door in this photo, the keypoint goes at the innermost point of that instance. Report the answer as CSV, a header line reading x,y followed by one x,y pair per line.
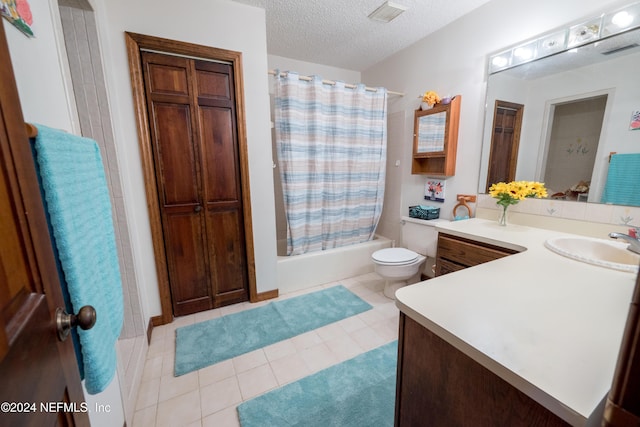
x,y
35,367
505,142
192,116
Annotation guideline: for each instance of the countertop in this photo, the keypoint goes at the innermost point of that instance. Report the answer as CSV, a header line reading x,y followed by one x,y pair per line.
x,y
549,325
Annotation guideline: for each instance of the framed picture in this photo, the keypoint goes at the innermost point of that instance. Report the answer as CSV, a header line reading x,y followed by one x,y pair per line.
x,y
434,190
18,12
635,121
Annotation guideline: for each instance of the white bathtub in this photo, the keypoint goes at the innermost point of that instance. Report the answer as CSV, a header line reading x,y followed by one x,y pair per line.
x,y
315,268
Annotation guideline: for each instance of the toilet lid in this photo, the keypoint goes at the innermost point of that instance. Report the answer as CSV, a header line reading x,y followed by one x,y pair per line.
x,y
394,256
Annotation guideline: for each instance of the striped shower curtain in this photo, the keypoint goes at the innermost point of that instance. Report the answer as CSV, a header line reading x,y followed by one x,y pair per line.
x,y
332,146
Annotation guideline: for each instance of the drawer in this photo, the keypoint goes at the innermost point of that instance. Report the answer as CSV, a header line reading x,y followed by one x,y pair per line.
x,y
468,252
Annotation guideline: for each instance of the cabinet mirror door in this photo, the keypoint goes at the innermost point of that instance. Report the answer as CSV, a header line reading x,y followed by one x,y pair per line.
x,y
430,131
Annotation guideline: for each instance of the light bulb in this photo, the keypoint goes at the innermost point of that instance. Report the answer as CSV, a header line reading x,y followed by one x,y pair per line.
x,y
622,19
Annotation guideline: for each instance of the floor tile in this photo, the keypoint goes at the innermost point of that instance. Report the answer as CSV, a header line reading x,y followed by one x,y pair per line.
x,y
209,397
217,372
279,349
318,357
225,418
250,360
179,411
148,394
289,368
171,386
220,395
256,381
145,417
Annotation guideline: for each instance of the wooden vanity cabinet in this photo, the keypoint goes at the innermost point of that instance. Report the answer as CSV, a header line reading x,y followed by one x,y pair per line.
x,y
439,386
456,253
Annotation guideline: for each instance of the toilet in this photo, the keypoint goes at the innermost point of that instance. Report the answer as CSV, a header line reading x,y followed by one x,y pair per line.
x,y
404,265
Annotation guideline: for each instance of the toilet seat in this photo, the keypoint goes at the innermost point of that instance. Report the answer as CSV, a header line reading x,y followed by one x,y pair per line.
x,y
394,256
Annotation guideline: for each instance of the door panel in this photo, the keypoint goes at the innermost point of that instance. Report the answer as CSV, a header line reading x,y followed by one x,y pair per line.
x,y
194,137
175,154
185,235
34,366
227,255
219,154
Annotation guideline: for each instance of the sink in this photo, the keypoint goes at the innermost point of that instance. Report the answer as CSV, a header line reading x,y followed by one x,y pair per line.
x,y
601,252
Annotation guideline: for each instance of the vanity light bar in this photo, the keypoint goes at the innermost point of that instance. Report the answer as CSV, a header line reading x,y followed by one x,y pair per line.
x,y
562,39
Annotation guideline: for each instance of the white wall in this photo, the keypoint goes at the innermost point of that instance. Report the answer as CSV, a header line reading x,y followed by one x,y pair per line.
x,y
217,23
43,100
453,61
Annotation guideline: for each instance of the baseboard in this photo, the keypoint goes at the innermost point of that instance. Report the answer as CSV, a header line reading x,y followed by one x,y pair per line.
x,y
153,321
263,296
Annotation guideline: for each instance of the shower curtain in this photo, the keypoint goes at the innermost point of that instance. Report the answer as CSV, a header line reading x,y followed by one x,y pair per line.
x,y
332,145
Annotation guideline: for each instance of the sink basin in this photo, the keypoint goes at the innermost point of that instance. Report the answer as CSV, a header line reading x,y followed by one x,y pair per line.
x,y
604,253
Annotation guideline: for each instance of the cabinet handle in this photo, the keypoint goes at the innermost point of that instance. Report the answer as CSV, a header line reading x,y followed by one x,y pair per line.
x,y
197,209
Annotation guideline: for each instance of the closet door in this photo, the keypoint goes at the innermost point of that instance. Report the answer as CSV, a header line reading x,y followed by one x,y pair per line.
x,y
178,175
221,172
193,130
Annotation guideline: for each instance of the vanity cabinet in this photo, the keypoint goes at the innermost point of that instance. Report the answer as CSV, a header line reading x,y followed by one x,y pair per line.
x,y
435,139
438,385
456,253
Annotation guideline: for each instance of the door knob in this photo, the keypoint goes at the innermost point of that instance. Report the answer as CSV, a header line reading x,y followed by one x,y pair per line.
x,y
85,319
198,208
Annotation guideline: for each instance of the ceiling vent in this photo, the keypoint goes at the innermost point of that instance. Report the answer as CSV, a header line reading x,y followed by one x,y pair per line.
x,y
387,12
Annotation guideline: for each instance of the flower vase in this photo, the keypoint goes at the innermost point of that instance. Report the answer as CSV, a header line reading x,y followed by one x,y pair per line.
x,y
503,216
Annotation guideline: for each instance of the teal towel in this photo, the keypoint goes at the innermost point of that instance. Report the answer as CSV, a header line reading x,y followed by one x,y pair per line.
x,y
623,180
77,202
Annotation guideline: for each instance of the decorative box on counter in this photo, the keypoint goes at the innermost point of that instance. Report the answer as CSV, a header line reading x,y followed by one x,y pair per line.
x,y
424,212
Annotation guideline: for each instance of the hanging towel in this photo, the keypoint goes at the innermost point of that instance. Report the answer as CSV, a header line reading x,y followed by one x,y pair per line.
x,y
623,180
79,210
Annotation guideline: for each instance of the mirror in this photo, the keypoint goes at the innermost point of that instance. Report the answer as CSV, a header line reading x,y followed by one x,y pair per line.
x,y
430,131
602,74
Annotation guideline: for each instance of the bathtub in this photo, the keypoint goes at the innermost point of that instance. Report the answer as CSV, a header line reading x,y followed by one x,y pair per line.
x,y
315,268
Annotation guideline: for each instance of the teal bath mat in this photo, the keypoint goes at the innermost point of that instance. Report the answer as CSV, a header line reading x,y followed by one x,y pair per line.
x,y
357,393
213,341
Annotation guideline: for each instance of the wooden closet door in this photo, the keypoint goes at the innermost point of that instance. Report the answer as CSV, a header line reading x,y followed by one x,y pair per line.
x,y
193,130
222,190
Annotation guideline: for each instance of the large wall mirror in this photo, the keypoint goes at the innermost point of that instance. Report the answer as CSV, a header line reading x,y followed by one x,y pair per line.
x,y
558,119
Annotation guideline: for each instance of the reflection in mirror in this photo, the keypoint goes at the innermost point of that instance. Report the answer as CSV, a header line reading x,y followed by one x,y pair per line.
x,y
505,141
576,110
431,131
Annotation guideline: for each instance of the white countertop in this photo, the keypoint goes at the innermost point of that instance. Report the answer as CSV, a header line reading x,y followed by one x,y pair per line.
x,y
549,325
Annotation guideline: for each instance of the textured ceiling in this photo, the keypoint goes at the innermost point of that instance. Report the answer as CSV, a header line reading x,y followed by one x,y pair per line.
x,y
338,32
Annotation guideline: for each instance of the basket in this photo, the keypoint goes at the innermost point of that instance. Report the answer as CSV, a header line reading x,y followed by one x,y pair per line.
x,y
424,212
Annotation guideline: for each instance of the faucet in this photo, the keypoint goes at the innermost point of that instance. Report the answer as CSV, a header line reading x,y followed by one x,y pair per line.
x,y
634,243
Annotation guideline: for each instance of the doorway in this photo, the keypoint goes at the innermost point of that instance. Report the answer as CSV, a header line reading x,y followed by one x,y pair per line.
x,y
188,101
572,145
505,142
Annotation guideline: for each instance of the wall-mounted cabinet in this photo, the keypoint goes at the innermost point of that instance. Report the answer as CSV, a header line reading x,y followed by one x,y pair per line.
x,y
435,139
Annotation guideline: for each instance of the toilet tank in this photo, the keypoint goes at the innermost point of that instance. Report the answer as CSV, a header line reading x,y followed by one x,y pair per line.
x,y
420,235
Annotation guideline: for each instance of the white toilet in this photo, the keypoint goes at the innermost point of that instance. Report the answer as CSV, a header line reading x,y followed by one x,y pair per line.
x,y
403,266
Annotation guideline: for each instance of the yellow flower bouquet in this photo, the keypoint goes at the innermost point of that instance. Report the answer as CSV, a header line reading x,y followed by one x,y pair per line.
x,y
510,193
430,97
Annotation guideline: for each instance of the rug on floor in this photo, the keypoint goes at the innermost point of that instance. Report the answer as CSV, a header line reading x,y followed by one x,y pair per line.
x,y
358,392
215,340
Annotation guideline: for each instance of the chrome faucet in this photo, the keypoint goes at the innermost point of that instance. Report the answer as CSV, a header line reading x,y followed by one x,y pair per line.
x,y
634,243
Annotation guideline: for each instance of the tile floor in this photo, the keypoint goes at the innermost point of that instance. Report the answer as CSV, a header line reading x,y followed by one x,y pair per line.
x,y
209,397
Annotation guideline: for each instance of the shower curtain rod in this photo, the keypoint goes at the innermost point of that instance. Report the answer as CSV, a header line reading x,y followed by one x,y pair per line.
x,y
332,82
